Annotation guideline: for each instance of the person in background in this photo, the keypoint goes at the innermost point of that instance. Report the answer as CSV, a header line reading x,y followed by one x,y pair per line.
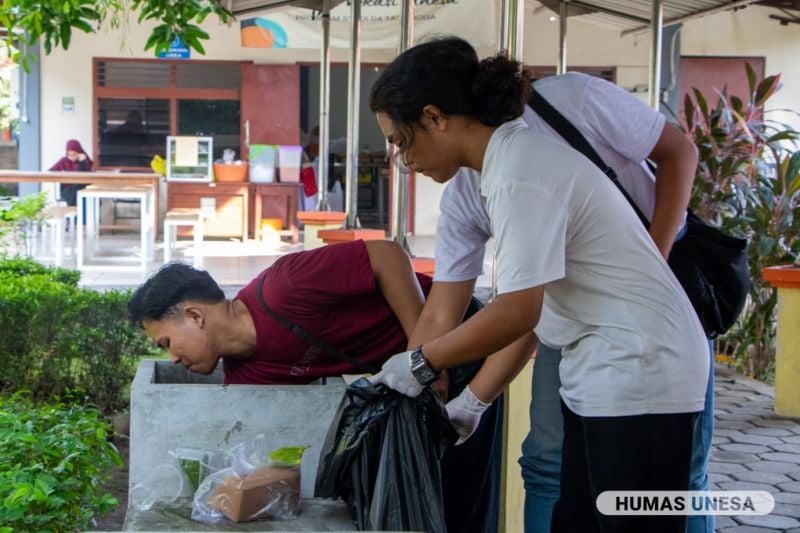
x,y
573,264
362,298
75,160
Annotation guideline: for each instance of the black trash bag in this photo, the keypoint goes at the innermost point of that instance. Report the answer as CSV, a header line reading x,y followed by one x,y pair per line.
x,y
382,457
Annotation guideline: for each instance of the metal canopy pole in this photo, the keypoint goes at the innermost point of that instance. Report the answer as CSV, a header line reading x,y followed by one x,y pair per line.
x,y
516,19
657,28
562,38
324,106
399,180
504,24
353,106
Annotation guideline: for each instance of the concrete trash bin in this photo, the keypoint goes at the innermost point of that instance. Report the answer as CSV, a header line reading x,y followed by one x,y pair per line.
x,y
172,408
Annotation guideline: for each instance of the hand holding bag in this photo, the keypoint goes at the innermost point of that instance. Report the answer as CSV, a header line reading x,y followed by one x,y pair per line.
x,y
711,267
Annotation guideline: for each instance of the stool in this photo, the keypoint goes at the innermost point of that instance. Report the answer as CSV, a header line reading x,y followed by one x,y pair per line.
x,y
56,217
183,217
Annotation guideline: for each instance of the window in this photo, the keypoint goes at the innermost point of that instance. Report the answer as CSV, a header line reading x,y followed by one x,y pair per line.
x,y
211,118
138,103
131,130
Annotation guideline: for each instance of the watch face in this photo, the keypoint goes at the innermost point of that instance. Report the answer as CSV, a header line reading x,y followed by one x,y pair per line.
x,y
421,370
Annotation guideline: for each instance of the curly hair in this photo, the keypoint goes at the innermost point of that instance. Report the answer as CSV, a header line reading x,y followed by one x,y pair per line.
x,y
446,73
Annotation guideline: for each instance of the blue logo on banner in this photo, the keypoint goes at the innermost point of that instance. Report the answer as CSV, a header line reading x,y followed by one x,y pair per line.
x,y
177,50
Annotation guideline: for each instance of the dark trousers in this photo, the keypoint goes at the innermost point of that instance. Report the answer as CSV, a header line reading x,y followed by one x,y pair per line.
x,y
69,192
471,471
636,453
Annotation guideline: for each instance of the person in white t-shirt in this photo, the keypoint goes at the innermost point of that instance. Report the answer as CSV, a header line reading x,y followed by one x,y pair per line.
x,y
574,264
624,132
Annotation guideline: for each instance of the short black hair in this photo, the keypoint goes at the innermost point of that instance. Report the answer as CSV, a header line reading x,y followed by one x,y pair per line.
x,y
173,284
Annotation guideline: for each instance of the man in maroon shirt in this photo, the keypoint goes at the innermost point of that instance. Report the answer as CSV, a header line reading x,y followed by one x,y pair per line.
x,y
363,298
353,296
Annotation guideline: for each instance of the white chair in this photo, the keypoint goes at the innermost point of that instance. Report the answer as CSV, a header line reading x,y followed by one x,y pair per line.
x,y
183,217
56,218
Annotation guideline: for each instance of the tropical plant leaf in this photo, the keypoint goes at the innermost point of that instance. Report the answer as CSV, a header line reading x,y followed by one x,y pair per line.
x,y
766,88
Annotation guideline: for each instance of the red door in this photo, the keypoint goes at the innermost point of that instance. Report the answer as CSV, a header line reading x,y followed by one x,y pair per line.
x,y
270,105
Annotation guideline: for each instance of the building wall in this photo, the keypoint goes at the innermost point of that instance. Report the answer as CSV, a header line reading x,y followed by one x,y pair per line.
x,y
750,32
744,32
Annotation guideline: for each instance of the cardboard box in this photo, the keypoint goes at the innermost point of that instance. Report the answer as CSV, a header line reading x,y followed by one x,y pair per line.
x,y
267,492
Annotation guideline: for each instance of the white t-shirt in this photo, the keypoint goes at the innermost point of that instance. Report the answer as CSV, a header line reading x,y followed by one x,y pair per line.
x,y
631,343
622,129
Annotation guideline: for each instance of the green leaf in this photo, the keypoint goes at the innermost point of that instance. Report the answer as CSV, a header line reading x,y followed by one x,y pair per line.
x,y
765,89
701,102
287,456
83,26
751,79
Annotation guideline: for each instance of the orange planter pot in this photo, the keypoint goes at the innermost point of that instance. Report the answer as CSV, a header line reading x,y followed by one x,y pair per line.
x,y
332,236
423,265
230,173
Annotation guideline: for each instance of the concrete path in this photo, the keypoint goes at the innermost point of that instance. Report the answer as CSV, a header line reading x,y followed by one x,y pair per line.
x,y
753,449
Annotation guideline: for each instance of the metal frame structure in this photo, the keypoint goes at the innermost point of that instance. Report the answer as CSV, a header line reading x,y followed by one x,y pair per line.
x,y
631,16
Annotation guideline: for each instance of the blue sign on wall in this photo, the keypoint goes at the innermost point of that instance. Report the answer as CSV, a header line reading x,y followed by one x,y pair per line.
x,y
177,50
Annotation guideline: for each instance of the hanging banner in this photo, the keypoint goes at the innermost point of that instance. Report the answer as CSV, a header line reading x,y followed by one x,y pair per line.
x,y
473,20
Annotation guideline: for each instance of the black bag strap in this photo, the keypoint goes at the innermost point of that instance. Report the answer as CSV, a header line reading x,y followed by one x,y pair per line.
x,y
308,337
575,138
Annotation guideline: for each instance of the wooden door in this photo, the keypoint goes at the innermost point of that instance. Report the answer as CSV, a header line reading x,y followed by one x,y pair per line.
x,y
270,104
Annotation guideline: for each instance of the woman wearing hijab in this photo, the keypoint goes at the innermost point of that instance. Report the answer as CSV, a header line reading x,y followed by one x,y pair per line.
x,y
76,160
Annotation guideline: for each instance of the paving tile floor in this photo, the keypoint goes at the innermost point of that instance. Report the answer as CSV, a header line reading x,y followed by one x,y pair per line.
x,y
753,449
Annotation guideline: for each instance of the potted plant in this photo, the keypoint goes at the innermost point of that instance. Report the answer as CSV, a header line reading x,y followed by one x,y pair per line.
x,y
748,182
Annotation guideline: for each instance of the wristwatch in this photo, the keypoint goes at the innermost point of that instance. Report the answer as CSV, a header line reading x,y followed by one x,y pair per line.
x,y
421,369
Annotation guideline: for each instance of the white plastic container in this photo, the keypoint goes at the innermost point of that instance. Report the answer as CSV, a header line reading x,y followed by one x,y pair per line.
x,y
290,158
263,161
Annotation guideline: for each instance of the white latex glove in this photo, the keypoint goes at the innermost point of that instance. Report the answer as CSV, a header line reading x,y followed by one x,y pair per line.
x,y
465,412
396,374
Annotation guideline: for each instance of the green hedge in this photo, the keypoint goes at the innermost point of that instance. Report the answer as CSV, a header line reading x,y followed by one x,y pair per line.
x,y
54,459
58,337
23,266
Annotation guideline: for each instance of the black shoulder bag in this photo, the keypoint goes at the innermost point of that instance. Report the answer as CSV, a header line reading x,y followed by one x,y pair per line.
x,y
711,266
308,337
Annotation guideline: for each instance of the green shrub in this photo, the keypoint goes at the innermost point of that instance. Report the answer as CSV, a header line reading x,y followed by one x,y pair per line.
x,y
19,218
54,458
58,337
25,266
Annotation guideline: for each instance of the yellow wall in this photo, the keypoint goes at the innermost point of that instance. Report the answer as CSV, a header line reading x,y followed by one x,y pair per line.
x,y
518,398
787,360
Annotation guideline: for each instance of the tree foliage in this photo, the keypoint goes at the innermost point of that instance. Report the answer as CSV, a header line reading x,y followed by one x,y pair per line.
x,y
53,21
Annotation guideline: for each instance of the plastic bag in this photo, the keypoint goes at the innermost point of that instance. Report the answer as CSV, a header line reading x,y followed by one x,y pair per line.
x,y
256,485
159,165
382,457
197,464
309,180
164,484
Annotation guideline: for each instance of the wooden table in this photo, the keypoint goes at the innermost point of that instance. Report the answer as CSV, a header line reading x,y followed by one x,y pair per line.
x,y
232,210
102,178
279,200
